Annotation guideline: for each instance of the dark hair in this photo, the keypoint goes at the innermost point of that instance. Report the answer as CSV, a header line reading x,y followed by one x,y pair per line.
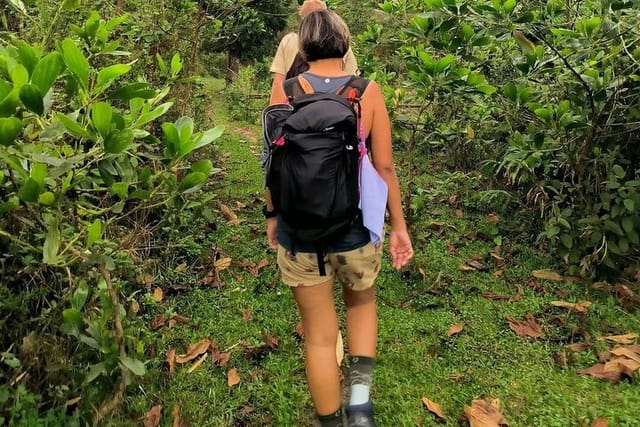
x,y
323,35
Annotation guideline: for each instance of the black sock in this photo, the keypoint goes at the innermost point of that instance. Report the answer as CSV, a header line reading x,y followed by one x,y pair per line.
x,y
332,420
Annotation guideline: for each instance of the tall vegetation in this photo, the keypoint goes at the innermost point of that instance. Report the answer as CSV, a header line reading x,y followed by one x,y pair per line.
x,y
82,161
545,94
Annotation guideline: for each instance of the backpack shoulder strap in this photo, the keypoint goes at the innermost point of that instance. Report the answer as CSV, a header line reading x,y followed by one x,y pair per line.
x,y
297,86
355,82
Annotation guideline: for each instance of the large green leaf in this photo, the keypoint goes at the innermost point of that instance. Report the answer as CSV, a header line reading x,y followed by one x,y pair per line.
x,y
107,75
134,90
72,126
80,296
203,166
208,137
134,365
176,64
47,71
10,128
51,245
118,141
29,191
76,61
94,232
39,173
32,98
28,54
171,139
71,4
101,117
190,182
153,114
10,102
72,321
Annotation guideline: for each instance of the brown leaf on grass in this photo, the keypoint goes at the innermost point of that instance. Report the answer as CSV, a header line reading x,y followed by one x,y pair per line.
x,y
459,213
198,363
233,378
147,279
246,410
578,307
577,347
466,268
246,315
223,359
597,371
72,402
434,408
453,200
497,259
511,298
232,218
194,350
182,320
623,365
620,339
455,329
158,322
171,360
451,248
547,275
158,295
135,307
630,352
493,219
254,269
152,419
176,417
473,265
528,327
484,413
222,264
600,422
270,341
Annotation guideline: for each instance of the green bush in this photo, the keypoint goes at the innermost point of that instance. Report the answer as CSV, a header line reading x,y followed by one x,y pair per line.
x,y
248,94
81,154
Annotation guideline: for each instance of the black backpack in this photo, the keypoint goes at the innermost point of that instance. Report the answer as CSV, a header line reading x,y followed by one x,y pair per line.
x,y
312,168
298,66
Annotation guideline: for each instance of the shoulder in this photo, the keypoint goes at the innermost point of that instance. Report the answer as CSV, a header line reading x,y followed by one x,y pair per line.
x,y
290,39
373,92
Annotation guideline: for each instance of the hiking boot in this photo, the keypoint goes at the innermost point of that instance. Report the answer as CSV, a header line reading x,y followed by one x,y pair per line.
x,y
361,415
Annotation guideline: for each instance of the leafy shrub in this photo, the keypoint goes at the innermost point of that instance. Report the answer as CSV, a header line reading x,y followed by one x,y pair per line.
x,y
544,94
79,157
248,94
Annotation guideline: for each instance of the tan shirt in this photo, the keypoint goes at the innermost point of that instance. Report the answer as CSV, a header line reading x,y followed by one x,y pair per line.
x,y
288,49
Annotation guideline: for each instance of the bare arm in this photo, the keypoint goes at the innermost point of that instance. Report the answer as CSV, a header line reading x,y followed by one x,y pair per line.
x,y
277,90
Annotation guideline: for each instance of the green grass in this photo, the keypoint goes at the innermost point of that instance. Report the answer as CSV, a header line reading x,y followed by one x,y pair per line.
x,y
415,358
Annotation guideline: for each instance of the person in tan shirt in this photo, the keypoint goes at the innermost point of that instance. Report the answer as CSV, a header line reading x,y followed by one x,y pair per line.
x,y
289,48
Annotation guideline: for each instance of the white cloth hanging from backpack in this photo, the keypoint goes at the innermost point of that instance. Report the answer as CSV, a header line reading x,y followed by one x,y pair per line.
x,y
373,199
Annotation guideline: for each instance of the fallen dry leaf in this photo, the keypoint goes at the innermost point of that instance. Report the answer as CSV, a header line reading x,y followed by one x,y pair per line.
x,y
459,213
628,352
578,307
528,327
194,351
433,408
466,268
511,298
623,365
483,413
270,341
476,265
176,416
547,275
597,371
600,422
158,295
577,347
198,363
177,319
255,269
152,419
246,315
135,307
455,329
222,264
231,216
493,219
72,402
620,339
497,259
299,331
148,279
158,322
171,360
233,378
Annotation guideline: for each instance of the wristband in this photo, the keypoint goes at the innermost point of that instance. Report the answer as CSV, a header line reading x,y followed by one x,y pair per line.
x,y
268,214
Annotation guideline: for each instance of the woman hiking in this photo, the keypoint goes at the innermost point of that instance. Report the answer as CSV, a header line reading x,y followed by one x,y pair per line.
x,y
351,257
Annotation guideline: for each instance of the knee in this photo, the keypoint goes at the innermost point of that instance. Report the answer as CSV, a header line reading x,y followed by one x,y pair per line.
x,y
354,298
321,337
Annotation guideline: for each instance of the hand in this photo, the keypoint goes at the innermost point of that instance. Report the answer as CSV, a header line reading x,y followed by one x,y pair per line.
x,y
272,236
400,248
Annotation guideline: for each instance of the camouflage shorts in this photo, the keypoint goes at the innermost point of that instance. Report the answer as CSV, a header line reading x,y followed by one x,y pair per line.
x,y
356,269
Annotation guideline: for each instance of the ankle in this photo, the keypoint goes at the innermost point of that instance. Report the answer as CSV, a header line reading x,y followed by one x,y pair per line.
x,y
331,420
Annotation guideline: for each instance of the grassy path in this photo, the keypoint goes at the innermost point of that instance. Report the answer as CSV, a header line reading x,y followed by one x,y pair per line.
x,y
535,379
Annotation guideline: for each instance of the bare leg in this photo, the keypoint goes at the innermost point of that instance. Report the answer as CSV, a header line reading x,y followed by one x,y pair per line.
x,y
362,321
320,322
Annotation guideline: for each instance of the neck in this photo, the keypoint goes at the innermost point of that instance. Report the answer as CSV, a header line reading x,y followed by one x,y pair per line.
x,y
327,67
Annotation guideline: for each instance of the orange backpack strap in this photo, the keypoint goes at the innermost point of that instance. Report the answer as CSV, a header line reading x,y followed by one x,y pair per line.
x,y
305,85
